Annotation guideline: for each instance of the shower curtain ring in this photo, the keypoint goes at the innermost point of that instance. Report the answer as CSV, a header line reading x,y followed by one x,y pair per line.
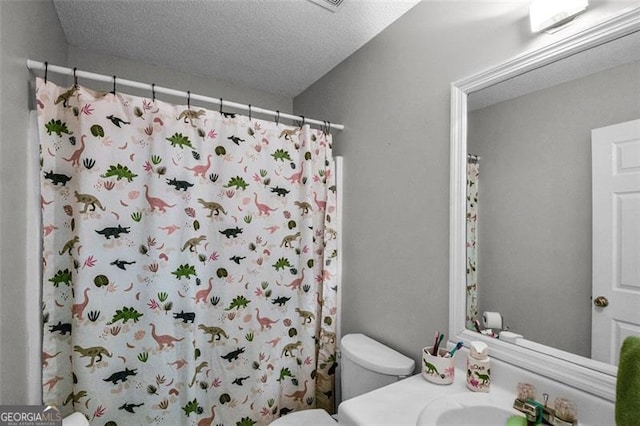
x,y
304,120
153,92
221,101
46,70
188,99
277,117
75,78
114,85
249,112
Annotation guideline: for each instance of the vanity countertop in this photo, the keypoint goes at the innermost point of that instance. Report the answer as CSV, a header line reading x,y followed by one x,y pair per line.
x,y
402,402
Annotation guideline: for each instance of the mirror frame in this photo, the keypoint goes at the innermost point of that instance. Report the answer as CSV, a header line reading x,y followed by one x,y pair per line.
x,y
579,372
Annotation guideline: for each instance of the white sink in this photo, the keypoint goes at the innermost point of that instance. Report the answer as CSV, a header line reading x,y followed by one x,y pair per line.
x,y
468,409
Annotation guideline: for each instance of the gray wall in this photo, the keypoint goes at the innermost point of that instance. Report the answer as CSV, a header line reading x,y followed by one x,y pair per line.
x,y
28,29
393,95
534,227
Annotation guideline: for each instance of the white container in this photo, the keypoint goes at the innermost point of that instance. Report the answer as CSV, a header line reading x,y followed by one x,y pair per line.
x,y
478,367
438,369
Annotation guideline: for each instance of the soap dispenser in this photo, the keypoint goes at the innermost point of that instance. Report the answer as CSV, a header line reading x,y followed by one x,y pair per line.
x,y
478,367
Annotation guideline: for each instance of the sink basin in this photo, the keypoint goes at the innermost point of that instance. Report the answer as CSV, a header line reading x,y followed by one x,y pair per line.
x,y
468,409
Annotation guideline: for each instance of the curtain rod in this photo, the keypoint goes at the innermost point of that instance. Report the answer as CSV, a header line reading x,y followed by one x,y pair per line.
x,y
37,65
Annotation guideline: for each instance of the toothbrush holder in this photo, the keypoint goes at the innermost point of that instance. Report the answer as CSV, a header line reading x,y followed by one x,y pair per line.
x,y
438,369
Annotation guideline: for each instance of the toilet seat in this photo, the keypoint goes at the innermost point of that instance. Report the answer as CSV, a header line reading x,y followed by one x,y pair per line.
x,y
315,417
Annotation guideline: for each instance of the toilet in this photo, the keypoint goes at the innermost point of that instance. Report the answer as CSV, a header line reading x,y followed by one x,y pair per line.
x,y
365,365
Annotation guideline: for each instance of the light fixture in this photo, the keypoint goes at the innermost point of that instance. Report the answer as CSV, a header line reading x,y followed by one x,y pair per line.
x,y
547,14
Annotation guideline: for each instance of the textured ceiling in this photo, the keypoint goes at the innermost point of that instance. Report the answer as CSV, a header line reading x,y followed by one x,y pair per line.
x,y
278,46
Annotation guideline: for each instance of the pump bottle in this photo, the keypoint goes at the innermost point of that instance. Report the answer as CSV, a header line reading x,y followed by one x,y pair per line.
x,y
478,367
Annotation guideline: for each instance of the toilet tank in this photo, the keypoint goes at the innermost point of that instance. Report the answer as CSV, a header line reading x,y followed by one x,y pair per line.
x,y
368,365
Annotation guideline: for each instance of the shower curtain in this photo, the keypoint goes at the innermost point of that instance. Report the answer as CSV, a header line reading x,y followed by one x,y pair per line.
x,y
188,259
473,176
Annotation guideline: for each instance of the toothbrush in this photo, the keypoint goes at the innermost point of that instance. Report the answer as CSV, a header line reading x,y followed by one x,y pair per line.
x,y
453,351
435,343
438,341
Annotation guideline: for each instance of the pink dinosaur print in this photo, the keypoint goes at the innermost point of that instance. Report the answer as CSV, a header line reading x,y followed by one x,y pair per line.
x,y
46,357
170,229
156,203
48,229
75,157
203,295
263,208
322,205
163,339
274,342
44,203
295,284
78,308
299,395
179,363
207,421
264,321
295,178
51,383
201,169
272,229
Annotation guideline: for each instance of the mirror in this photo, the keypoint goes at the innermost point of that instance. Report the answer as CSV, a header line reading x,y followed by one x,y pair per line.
x,y
563,360
529,196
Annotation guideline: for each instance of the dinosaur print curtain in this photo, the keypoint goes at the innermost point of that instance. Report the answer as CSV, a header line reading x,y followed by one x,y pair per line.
x,y
188,262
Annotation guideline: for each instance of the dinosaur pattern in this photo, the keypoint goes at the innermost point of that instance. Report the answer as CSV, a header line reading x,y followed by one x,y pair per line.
x,y
188,272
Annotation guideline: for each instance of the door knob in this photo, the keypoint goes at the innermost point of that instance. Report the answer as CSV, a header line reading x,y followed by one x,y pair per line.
x,y
601,302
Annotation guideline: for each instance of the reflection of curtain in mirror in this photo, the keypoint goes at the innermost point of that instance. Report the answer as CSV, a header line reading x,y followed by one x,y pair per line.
x,y
473,174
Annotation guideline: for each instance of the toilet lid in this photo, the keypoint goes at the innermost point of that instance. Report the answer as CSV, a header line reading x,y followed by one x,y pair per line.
x,y
315,417
375,356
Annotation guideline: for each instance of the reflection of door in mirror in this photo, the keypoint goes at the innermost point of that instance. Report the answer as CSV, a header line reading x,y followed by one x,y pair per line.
x,y
616,238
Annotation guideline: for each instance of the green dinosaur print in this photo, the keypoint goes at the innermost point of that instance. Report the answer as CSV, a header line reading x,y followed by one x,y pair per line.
x,y
231,232
58,127
93,353
238,182
483,377
125,314
61,277
281,155
120,172
192,407
430,368
180,141
280,191
282,263
185,270
284,373
246,421
238,302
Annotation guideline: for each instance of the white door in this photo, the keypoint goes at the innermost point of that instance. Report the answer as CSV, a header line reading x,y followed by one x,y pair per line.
x,y
615,154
